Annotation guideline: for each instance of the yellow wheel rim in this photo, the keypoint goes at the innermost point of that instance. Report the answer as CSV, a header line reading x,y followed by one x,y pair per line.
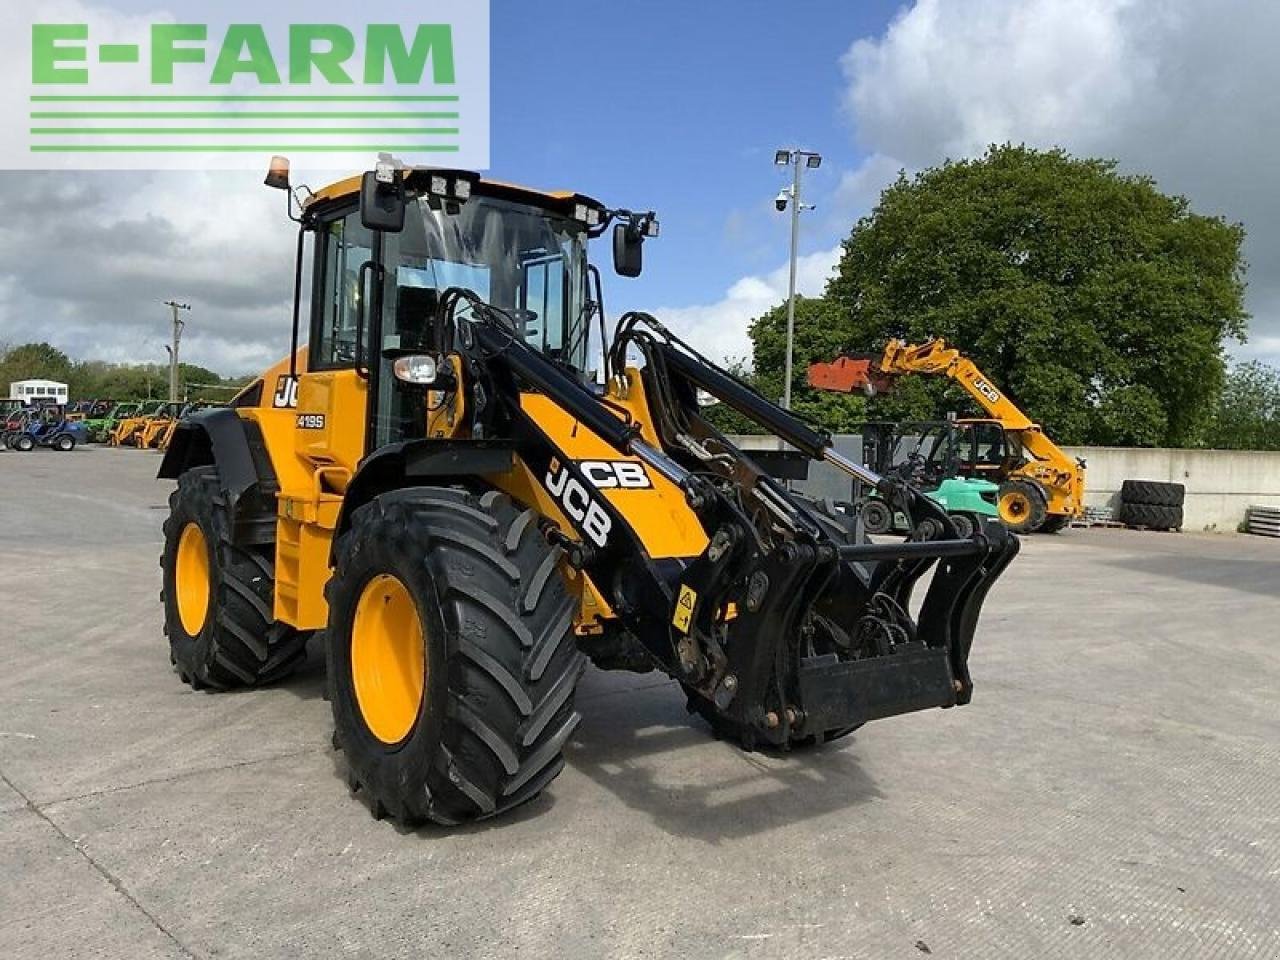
x,y
388,658
1014,507
191,579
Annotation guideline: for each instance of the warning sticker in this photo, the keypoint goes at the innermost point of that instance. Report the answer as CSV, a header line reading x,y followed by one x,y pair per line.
x,y
684,609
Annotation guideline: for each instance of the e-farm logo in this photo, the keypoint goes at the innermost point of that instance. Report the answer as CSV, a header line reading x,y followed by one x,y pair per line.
x,y
125,93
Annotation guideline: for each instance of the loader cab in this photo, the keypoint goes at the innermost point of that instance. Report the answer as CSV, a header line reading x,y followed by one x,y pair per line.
x,y
375,292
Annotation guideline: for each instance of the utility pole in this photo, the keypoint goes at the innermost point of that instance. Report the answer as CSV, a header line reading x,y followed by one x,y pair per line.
x,y
178,324
798,160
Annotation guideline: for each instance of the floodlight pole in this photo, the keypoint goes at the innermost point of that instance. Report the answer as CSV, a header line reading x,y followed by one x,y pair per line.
x,y
791,286
798,160
178,324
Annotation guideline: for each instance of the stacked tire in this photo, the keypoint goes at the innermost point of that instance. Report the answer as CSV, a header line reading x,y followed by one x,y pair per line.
x,y
1151,505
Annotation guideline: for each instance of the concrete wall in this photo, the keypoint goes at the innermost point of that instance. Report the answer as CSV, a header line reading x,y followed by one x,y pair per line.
x,y
1221,484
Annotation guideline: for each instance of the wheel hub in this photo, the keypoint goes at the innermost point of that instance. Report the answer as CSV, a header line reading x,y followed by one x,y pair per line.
x,y
388,658
1014,507
191,579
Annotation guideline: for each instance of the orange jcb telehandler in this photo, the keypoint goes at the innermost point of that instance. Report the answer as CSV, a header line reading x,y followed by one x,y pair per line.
x,y
1041,486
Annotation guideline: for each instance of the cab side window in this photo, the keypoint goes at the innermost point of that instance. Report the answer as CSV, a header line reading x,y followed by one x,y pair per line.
x,y
343,247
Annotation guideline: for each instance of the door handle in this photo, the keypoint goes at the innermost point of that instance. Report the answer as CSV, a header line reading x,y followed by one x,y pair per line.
x,y
370,266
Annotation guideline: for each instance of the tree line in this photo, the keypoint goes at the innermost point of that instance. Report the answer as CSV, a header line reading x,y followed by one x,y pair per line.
x,y
97,380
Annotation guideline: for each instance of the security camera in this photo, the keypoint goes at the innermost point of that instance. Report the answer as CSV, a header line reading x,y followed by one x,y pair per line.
x,y
782,200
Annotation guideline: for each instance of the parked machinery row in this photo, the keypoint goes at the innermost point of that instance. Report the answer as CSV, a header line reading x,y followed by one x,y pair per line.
x,y
26,428
149,425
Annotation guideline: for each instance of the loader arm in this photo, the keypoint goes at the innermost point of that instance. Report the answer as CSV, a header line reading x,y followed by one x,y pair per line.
x,y
778,626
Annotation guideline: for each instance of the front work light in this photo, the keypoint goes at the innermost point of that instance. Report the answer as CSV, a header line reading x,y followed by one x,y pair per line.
x,y
418,369
587,214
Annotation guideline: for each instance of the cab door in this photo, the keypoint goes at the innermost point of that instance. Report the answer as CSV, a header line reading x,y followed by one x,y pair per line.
x,y
333,395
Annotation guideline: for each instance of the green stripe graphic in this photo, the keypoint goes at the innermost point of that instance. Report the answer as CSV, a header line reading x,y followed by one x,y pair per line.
x,y
238,148
235,115
220,123
240,99
243,132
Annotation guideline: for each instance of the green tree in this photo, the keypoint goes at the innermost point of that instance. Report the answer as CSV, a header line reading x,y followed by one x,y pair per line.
x,y
34,361
1099,303
1248,414
95,379
818,336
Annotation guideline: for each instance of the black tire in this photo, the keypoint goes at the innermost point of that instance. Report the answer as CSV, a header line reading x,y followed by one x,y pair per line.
x,y
1149,517
963,525
1152,493
1023,505
1055,523
24,443
65,443
239,644
877,517
843,529
501,661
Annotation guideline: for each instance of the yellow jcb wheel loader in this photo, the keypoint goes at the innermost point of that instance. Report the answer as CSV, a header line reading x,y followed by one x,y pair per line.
x,y
126,432
437,482
149,435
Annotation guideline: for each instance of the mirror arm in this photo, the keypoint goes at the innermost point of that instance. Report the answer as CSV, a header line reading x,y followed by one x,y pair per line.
x,y
288,206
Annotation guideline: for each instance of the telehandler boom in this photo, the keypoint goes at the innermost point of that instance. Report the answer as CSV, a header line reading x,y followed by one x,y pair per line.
x,y
1041,487
438,483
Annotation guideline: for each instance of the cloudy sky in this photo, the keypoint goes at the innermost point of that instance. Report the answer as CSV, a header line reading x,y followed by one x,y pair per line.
x,y
1183,89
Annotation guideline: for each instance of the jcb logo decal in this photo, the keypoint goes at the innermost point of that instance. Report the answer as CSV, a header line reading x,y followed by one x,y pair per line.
x,y
286,395
987,390
578,503
610,474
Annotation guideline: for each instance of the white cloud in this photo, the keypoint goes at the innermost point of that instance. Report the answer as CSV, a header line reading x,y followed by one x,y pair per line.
x,y
89,259
1184,90
719,329
948,78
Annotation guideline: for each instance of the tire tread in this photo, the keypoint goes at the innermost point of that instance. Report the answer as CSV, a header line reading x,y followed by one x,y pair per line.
x,y
245,645
509,655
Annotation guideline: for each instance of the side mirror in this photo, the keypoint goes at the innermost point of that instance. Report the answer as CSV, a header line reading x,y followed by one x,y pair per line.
x,y
382,205
628,250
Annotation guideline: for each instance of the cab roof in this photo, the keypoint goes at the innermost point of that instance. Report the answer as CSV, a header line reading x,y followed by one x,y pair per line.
x,y
350,187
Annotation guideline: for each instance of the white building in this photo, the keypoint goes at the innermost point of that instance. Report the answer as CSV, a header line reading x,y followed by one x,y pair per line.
x,y
29,391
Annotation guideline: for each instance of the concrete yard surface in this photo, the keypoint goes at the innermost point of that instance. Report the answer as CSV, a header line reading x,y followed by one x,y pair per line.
x,y
1112,791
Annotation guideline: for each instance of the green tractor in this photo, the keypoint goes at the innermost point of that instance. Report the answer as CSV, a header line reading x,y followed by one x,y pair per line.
x,y
936,456
100,426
